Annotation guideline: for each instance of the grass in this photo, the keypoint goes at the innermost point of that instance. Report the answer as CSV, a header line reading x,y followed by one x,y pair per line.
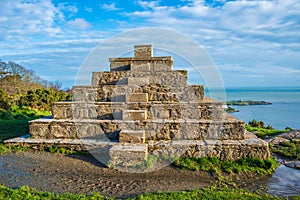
x,y
25,192
206,193
22,113
215,165
263,132
289,149
212,192
14,123
13,128
15,149
10,129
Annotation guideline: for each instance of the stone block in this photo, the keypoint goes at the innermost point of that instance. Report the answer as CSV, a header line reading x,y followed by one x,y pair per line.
x,y
137,97
140,67
128,154
134,115
162,67
139,81
132,136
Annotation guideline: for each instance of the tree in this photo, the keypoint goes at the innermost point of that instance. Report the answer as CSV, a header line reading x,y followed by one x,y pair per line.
x,y
3,100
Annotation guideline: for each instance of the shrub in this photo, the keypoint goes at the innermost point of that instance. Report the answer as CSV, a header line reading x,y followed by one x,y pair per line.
x,y
43,98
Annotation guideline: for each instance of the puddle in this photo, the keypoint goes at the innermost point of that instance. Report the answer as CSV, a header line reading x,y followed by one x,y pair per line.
x,y
284,182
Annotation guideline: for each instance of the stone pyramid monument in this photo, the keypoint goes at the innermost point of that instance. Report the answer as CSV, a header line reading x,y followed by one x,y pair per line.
x,y
141,108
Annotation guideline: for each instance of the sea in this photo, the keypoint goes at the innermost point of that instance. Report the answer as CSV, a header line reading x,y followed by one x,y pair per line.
x,y
283,112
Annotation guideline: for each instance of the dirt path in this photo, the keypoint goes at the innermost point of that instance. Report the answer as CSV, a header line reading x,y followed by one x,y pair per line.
x,y
84,174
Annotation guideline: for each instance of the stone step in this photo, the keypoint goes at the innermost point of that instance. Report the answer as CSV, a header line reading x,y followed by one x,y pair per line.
x,y
207,109
115,93
222,149
134,115
136,97
156,64
155,129
132,136
173,78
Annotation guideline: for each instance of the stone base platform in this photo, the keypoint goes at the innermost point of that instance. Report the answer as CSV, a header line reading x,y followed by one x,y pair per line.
x,y
105,150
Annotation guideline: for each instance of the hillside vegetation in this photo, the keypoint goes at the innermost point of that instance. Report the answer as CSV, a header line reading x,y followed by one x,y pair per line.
x,y
21,91
23,97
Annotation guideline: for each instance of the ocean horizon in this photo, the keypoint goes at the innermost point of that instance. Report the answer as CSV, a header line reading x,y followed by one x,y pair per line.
x,y
283,112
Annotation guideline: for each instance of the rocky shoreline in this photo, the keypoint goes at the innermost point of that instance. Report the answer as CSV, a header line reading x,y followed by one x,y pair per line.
x,y
285,147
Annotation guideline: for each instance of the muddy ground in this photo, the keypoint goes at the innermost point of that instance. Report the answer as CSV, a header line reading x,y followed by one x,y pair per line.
x,y
84,174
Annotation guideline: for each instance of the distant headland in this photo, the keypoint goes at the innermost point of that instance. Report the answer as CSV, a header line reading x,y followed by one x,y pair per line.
x,y
242,103
246,103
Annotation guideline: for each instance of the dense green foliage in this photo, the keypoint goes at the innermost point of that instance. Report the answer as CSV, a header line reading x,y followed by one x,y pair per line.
x,y
43,98
289,149
39,99
3,100
215,165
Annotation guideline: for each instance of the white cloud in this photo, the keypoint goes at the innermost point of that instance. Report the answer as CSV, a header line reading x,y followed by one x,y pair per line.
x,y
78,23
66,7
148,4
110,7
88,9
19,18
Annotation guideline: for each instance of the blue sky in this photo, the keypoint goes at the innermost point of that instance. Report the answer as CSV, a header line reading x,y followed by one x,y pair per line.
x,y
252,43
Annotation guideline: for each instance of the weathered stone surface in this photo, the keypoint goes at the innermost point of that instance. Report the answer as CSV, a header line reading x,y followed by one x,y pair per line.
x,y
136,97
128,154
294,134
156,63
277,140
143,51
138,81
250,135
132,136
155,110
134,115
293,164
140,67
224,150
